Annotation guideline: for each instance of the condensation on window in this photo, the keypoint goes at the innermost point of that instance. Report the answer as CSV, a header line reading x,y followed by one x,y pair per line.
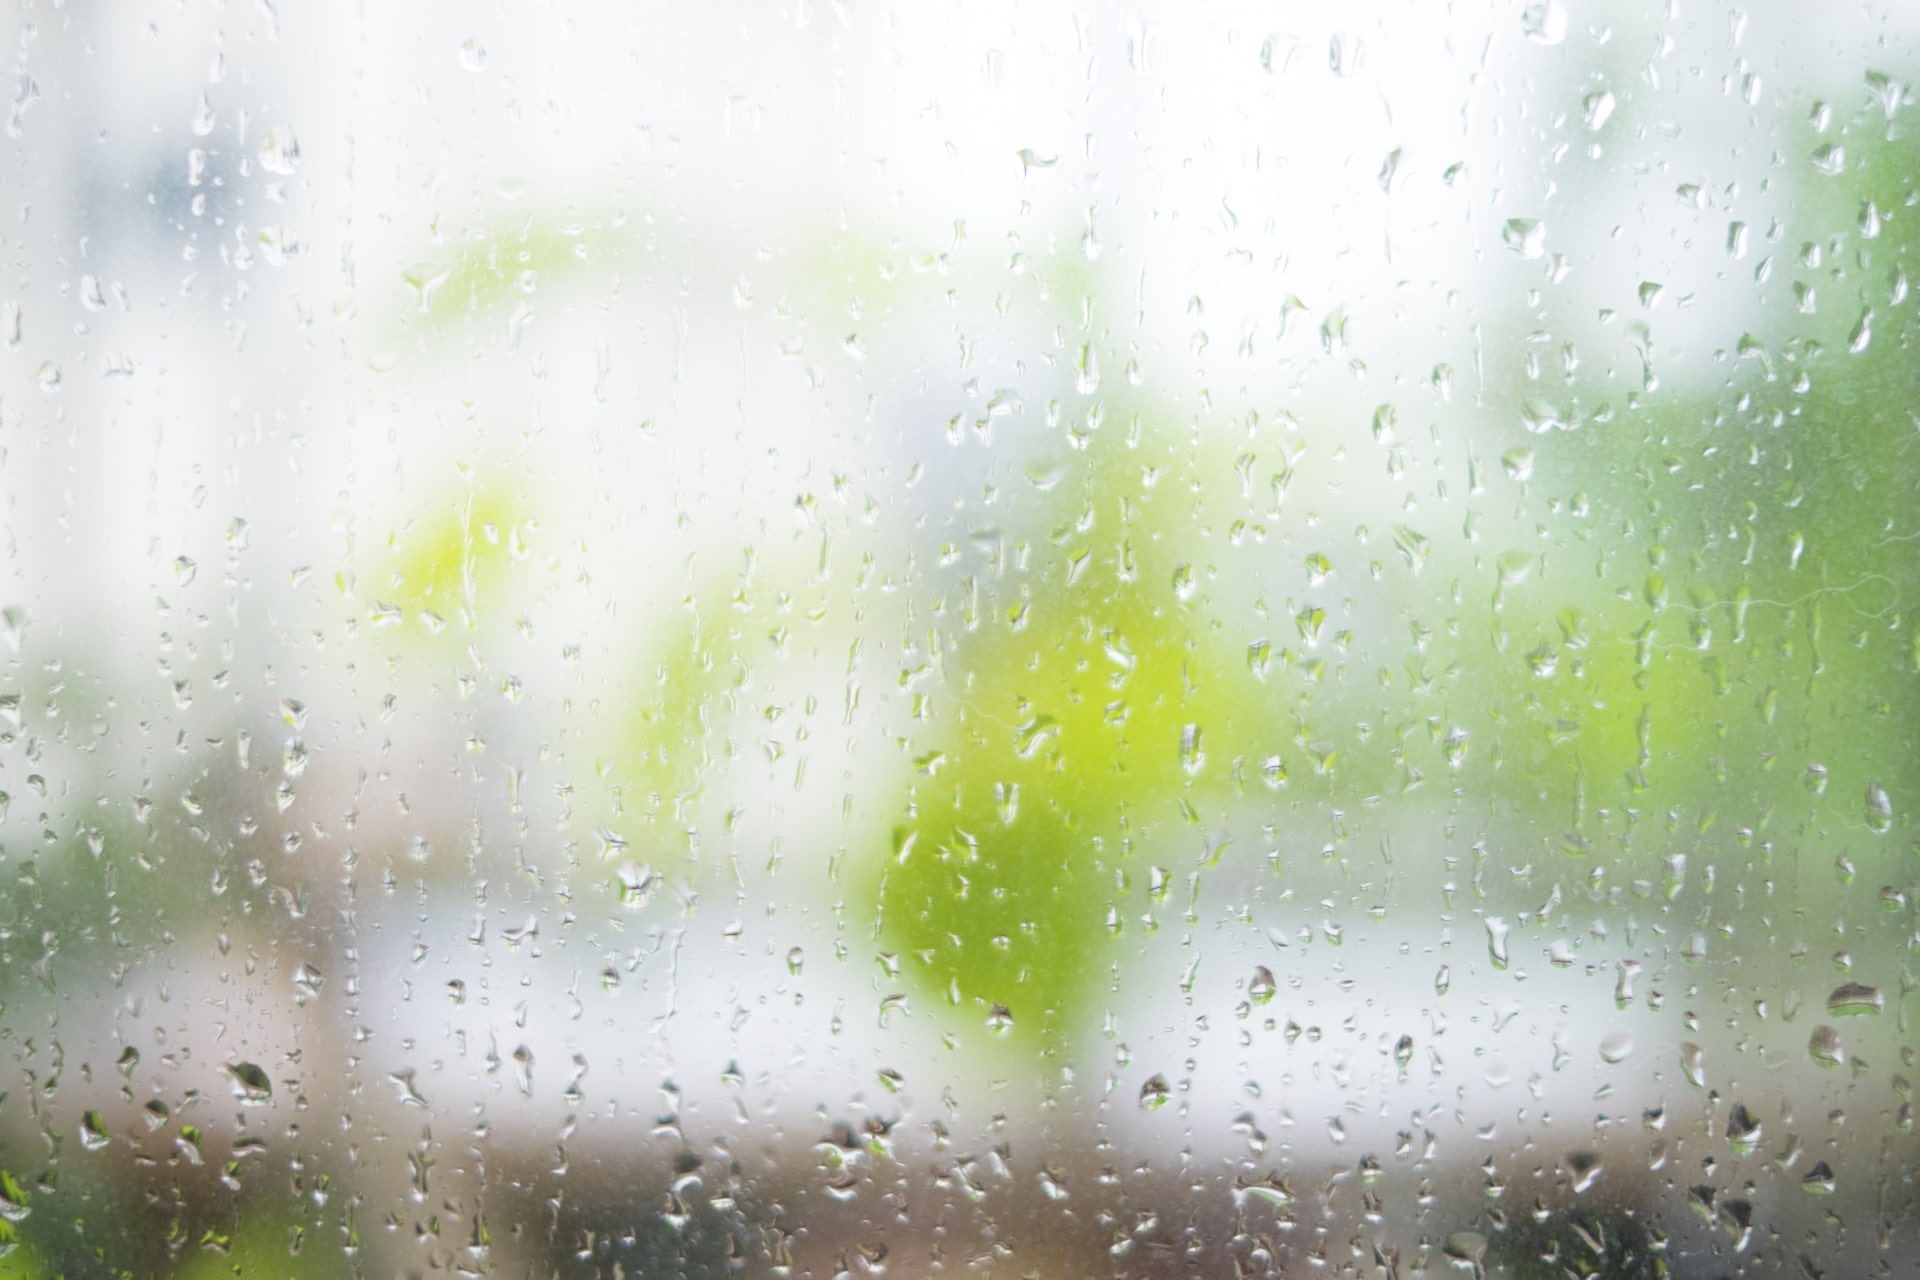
x,y
828,639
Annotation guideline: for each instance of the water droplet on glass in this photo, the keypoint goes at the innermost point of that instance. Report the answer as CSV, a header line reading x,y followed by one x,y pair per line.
x,y
1467,1250
424,279
1276,52
1879,807
1525,236
1154,1093
1743,1129
1333,332
279,150
1825,1047
1087,370
1887,92
93,1131
1497,930
1192,756
1862,335
1616,1047
1260,987
1344,54
1693,1064
1545,22
1389,170
250,1084
1271,1190
1854,999
1869,220
636,886
279,244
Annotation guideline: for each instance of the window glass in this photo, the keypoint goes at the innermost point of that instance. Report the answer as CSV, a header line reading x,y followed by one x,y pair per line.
x,y
1016,640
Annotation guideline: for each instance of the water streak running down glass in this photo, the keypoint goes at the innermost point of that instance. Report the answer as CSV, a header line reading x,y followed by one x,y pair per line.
x,y
993,640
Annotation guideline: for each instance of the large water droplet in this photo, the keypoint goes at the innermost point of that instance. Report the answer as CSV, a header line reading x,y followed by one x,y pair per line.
x,y
1261,986
1743,1129
1879,807
250,1084
1693,1064
1825,1047
1467,1250
1497,930
1853,999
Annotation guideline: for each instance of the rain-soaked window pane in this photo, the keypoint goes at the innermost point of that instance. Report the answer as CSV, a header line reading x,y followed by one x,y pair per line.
x,y
1012,640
